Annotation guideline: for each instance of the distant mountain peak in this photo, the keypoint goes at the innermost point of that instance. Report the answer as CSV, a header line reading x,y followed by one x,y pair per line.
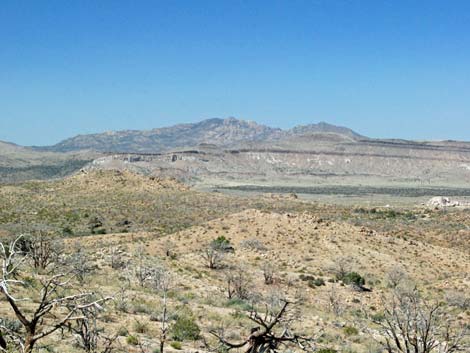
x,y
226,132
324,127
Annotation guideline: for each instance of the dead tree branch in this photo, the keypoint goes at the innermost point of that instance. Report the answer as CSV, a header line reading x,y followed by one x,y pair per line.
x,y
54,308
263,337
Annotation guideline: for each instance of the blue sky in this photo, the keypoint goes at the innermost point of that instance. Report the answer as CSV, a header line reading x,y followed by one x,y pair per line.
x,y
384,68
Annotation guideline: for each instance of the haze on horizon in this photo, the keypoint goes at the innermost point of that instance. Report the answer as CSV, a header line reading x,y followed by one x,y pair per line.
x,y
384,69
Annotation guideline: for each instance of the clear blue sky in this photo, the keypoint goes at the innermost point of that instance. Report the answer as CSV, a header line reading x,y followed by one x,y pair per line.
x,y
386,68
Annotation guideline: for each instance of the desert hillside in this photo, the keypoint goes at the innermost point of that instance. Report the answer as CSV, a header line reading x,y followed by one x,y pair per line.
x,y
18,163
115,227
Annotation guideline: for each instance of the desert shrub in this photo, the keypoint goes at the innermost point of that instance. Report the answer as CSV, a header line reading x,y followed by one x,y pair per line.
x,y
11,324
95,225
350,331
268,272
253,244
107,317
459,300
318,282
307,278
378,317
213,258
221,243
327,350
185,328
42,248
154,316
80,263
176,345
395,276
67,230
312,282
237,314
353,278
122,331
238,303
140,327
132,340
407,313
238,284
122,305
141,307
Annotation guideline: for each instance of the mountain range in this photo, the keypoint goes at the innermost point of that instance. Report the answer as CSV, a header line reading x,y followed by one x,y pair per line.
x,y
220,132
238,152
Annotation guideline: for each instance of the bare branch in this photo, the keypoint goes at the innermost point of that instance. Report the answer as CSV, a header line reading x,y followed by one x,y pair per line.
x,y
54,309
264,339
413,324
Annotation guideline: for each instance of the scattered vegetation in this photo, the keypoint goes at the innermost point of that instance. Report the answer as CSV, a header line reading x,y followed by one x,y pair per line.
x,y
209,272
185,328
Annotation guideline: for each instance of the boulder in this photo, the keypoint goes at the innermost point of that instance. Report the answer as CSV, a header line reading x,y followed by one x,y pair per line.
x,y
441,201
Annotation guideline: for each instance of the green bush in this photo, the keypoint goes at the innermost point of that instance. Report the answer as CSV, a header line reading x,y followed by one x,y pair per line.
x,y
327,350
312,282
67,231
221,243
378,317
350,331
238,303
353,278
319,282
132,340
185,328
176,345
